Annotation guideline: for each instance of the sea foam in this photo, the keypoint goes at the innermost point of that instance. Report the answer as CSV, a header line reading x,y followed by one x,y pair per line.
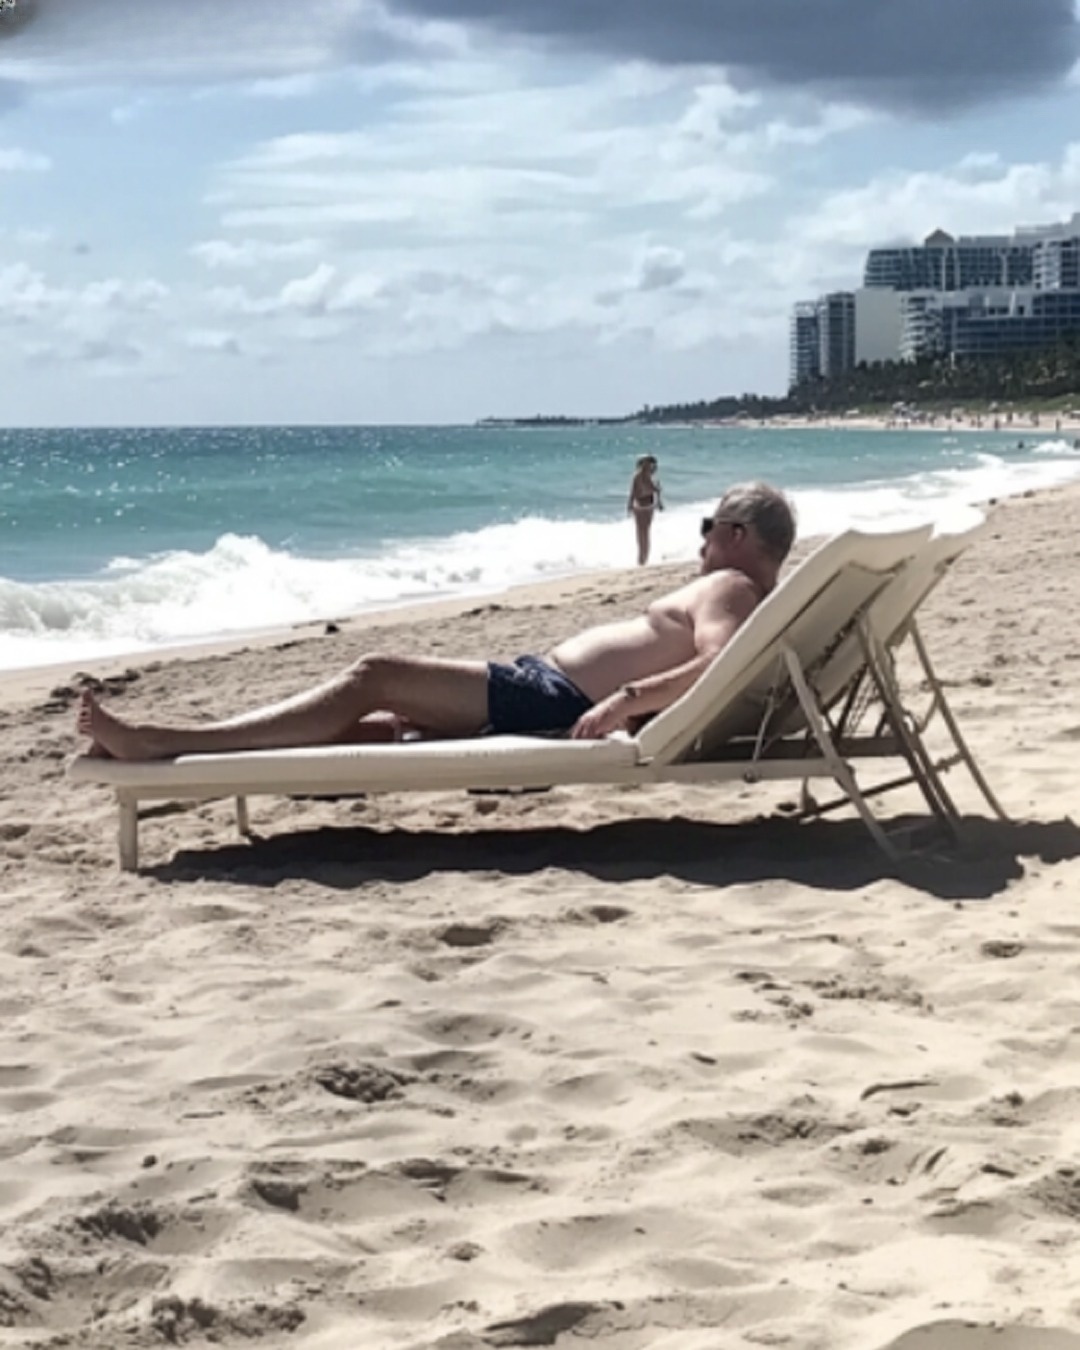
x,y
243,585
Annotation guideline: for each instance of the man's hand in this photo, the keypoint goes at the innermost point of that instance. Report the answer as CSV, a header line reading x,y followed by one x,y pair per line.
x,y
610,714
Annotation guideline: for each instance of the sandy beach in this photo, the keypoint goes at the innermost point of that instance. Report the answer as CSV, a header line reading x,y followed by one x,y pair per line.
x,y
648,1069
1021,422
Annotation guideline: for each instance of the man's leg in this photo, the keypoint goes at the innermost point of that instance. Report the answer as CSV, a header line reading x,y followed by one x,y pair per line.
x,y
446,698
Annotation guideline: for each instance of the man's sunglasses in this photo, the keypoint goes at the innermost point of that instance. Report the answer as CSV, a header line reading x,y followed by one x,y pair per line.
x,y
709,523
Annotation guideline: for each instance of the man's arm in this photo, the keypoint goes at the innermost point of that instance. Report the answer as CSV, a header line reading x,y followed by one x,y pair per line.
x,y
716,617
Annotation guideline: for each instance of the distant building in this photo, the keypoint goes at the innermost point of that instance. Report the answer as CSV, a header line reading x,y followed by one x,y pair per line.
x,y
994,323
942,263
922,331
823,337
1056,250
805,343
836,333
878,325
975,296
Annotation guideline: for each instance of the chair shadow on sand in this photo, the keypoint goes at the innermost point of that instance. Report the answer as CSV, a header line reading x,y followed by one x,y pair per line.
x,y
833,855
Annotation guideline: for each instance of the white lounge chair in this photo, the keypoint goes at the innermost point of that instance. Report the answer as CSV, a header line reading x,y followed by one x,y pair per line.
x,y
767,708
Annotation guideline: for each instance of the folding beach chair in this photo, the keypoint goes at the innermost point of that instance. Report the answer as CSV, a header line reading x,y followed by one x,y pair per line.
x,y
864,671
781,701
816,684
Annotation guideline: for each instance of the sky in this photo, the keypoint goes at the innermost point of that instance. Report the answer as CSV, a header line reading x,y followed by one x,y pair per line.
x,y
434,211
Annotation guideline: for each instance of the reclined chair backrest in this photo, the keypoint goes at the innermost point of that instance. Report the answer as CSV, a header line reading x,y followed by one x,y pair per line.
x,y
812,612
890,613
891,616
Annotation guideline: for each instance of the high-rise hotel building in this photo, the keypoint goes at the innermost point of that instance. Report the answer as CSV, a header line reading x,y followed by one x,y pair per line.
x,y
942,263
979,295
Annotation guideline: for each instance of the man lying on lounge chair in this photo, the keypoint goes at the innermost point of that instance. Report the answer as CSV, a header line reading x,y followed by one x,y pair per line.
x,y
589,685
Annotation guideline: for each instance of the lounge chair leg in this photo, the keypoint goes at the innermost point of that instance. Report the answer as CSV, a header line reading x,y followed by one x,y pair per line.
x,y
243,822
922,767
942,706
129,834
841,771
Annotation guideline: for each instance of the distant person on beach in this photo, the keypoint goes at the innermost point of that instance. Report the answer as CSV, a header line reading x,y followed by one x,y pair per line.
x,y
602,680
643,503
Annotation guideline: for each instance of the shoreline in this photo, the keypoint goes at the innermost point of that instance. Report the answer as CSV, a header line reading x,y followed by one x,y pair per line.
x,y
1026,424
32,681
63,617
1021,423
28,683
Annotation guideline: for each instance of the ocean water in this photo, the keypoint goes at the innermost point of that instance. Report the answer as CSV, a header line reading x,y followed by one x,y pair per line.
x,y
121,541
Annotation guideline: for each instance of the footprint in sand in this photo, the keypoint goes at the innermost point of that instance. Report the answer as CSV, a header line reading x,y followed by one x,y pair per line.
x,y
470,934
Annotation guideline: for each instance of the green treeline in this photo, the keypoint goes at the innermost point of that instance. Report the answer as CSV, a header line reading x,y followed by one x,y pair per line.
x,y
1045,376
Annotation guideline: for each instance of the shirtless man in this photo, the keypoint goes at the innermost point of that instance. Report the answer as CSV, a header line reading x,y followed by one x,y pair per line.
x,y
589,685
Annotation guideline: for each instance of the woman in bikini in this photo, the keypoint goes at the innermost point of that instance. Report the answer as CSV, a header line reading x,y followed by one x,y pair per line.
x,y
643,502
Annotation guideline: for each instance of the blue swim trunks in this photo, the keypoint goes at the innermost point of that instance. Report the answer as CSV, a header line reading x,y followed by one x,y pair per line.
x,y
530,696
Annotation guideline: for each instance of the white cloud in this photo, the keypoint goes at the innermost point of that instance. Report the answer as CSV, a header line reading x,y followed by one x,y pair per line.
x,y
222,254
489,166
26,296
24,293
26,237
712,109
213,341
484,201
236,301
23,161
116,295
979,195
309,294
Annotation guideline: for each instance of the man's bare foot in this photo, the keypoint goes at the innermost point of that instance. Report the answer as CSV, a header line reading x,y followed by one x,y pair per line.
x,y
110,737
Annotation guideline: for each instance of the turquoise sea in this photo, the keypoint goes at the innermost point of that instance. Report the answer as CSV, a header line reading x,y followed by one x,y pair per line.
x,y
117,541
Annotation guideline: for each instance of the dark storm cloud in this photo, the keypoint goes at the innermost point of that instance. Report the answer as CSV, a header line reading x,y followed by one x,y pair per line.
x,y
924,55
919,54
15,16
